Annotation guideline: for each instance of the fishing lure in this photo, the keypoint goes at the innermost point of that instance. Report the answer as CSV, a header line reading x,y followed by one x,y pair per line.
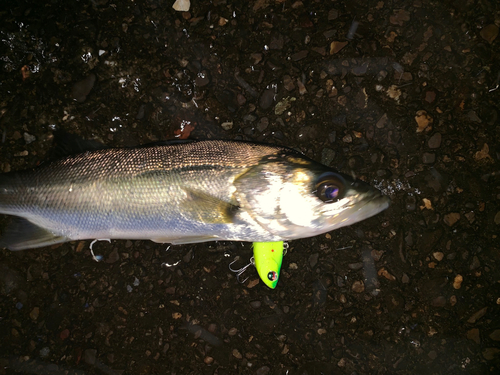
x,y
268,257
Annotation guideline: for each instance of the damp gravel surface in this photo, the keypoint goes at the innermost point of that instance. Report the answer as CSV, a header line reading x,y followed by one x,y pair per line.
x,y
402,94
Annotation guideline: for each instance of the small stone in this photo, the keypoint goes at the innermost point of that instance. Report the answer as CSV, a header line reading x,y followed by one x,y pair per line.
x,y
208,360
490,353
434,141
227,125
255,304
313,260
82,88
451,218
267,98
35,313
262,124
457,282
333,14
473,334
430,96
438,255
237,354
495,335
288,83
383,121
489,33
347,138
44,352
327,156
428,158
424,121
264,370
90,356
336,46
358,287
28,138
477,315
300,55
439,301
233,331
302,87
182,5
405,279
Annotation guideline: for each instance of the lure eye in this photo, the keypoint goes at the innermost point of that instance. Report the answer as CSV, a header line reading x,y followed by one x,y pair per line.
x,y
329,187
272,276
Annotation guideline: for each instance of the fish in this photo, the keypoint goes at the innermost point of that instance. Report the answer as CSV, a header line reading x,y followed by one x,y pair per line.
x,y
181,192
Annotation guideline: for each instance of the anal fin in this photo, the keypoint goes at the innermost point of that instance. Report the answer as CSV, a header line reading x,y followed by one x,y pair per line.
x,y
22,234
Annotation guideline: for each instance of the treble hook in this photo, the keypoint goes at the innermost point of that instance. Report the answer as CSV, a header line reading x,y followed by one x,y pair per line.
x,y
241,270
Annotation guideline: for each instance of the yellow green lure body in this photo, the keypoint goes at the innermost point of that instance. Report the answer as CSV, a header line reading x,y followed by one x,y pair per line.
x,y
268,257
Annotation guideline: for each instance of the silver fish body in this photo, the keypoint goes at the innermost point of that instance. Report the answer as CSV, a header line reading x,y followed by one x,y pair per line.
x,y
182,193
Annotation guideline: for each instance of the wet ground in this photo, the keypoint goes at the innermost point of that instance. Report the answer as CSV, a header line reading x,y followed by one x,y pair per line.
x,y
404,94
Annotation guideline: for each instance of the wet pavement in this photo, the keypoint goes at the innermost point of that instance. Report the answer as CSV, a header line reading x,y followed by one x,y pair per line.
x,y
403,94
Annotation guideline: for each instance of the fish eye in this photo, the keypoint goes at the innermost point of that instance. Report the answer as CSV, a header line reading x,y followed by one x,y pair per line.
x,y
329,187
272,276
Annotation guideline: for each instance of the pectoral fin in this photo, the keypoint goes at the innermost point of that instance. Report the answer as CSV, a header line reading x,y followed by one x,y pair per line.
x,y
208,209
22,234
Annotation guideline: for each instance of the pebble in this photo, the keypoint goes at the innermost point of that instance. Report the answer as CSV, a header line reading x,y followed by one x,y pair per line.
x,y
28,138
208,360
424,121
237,354
313,260
82,88
495,335
358,287
428,158
233,331
44,352
497,218
473,334
262,124
267,98
288,83
382,122
255,304
302,87
430,96
35,313
182,5
477,315
490,353
489,33
451,218
90,356
434,141
327,156
264,370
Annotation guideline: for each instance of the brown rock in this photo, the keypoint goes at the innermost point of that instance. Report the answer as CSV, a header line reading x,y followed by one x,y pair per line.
x,y
489,33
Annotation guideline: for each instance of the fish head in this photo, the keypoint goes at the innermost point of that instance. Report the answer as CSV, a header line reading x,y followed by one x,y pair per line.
x,y
294,197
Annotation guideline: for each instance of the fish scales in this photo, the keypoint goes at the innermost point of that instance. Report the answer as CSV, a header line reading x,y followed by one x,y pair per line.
x,y
178,193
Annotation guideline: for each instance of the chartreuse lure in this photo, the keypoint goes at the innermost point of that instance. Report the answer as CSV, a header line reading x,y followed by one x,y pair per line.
x,y
268,257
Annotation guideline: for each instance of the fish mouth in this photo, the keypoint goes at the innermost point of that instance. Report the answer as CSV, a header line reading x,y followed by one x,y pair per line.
x,y
371,203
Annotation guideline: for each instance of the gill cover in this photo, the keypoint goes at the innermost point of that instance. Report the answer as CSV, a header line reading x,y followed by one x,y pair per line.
x,y
268,257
